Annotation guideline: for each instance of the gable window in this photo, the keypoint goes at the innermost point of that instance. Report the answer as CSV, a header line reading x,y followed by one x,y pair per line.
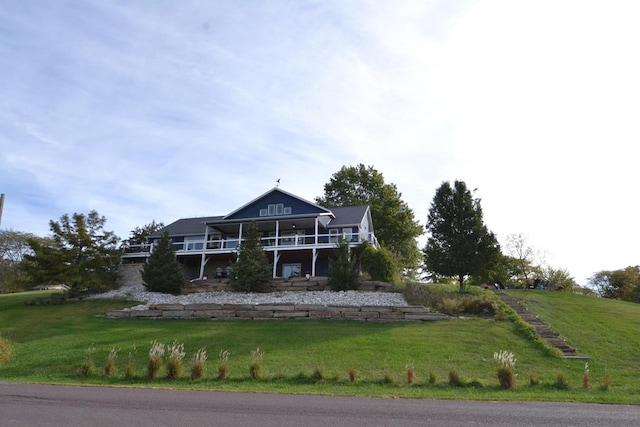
x,y
279,209
271,210
263,212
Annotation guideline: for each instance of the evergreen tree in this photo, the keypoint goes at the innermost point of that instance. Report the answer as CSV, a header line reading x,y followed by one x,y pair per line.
x,y
343,272
162,271
80,254
251,272
460,244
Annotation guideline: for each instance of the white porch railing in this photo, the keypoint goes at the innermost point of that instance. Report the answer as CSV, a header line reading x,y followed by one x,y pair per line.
x,y
269,243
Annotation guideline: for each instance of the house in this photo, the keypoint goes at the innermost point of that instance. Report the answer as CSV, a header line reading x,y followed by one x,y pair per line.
x,y
298,236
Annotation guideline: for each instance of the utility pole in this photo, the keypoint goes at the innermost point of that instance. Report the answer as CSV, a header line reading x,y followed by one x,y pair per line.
x,y
1,206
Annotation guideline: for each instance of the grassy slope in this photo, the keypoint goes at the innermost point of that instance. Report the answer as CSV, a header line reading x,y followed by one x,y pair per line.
x,y
51,343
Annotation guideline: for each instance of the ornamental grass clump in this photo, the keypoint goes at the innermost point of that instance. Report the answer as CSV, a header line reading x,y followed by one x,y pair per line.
x,y
223,366
319,374
198,364
130,367
585,376
353,375
156,355
110,365
455,379
506,368
175,357
411,374
255,369
88,367
6,350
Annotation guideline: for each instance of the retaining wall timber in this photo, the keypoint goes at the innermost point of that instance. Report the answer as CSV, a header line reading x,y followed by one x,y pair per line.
x,y
280,311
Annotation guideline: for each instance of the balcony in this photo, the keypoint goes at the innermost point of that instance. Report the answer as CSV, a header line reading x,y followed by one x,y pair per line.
x,y
271,243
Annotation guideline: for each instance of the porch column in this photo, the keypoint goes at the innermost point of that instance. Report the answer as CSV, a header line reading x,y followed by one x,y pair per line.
x,y
203,260
316,240
239,237
276,258
315,258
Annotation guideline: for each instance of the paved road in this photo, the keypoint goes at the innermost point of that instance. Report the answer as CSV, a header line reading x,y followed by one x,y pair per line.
x,y
46,405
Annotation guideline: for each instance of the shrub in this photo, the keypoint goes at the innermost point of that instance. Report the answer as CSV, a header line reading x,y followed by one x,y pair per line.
x,y
162,271
342,273
506,368
6,350
223,366
380,264
175,357
255,368
110,365
156,354
198,364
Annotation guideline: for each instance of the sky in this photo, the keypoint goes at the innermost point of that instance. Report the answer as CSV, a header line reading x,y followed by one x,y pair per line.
x,y
159,110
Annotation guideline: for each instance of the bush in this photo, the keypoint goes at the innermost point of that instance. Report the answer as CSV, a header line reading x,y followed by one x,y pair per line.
x,y
162,271
223,366
445,299
342,274
380,264
110,365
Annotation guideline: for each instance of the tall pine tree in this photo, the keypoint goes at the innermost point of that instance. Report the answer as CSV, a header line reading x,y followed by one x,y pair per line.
x,y
162,271
251,272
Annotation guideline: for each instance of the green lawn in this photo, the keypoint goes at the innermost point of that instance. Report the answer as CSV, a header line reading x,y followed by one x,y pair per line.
x,y
51,343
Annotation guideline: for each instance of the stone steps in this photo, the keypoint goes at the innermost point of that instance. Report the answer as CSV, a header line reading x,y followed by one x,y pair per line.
x,y
543,330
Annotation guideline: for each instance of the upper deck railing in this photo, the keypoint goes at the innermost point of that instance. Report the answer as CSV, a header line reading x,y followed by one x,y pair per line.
x,y
269,243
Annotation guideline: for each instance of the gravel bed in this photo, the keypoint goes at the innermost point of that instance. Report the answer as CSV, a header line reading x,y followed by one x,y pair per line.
x,y
349,298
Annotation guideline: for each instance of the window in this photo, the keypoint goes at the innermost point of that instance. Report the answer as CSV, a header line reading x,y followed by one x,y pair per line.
x,y
263,212
287,210
333,235
279,209
193,243
347,234
271,209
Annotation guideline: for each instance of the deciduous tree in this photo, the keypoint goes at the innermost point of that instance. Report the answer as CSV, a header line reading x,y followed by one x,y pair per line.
x,y
394,222
618,284
459,243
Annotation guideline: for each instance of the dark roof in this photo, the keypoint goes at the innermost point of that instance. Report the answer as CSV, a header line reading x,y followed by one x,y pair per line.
x,y
348,215
186,227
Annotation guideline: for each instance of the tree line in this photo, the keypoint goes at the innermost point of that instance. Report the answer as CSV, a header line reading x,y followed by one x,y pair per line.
x,y
460,246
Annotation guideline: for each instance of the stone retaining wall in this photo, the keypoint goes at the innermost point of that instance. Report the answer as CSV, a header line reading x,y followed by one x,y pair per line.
x,y
280,311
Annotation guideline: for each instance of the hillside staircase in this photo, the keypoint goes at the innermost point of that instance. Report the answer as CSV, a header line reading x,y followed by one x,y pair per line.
x,y
543,330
